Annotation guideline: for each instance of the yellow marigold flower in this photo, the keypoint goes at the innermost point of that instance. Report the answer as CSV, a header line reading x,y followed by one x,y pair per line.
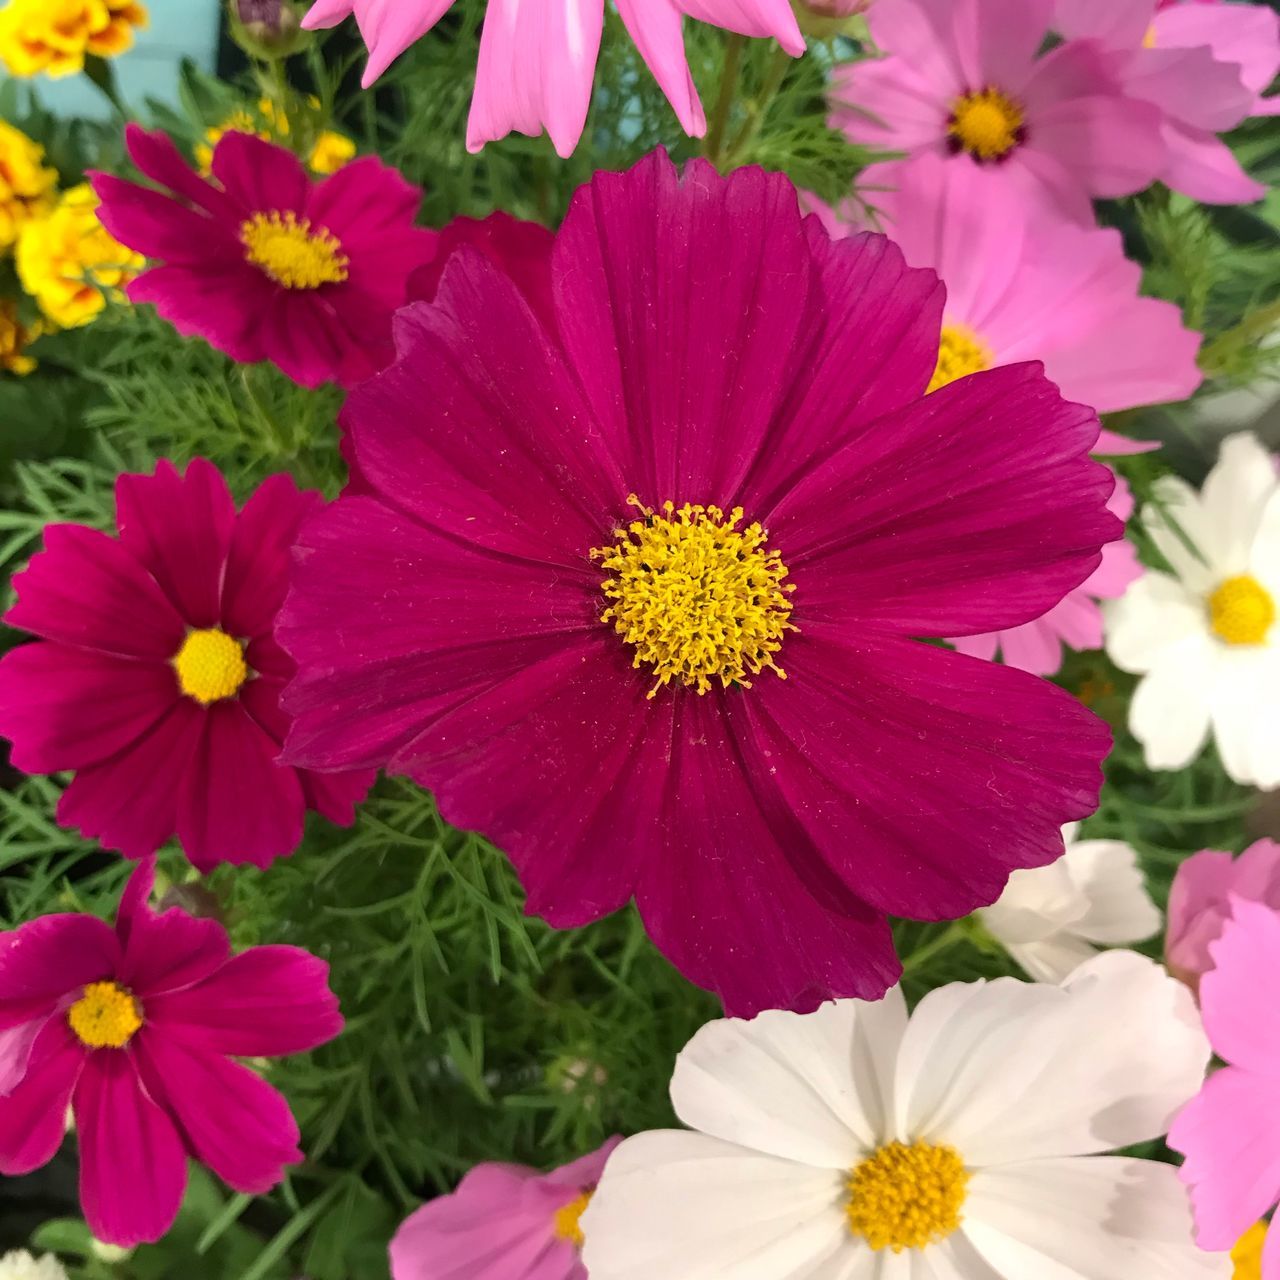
x,y
69,263
14,338
26,185
329,153
55,36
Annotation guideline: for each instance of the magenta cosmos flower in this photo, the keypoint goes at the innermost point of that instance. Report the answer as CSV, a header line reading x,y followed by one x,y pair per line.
x,y
1230,1133
1204,66
504,1222
538,57
592,543
265,263
136,1030
964,79
157,679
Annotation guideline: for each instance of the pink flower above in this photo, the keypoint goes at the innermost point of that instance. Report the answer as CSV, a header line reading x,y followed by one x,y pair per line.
x,y
136,1029
157,679
265,263
1200,902
538,57
507,642
504,1222
965,79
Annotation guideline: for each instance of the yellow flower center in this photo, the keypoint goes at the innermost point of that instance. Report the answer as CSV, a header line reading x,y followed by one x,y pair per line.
x,y
291,252
907,1197
210,666
960,353
699,599
1247,1255
568,1220
1242,611
987,124
1149,40
105,1017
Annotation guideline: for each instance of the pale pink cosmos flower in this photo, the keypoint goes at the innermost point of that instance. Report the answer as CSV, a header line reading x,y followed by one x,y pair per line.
x,y
538,57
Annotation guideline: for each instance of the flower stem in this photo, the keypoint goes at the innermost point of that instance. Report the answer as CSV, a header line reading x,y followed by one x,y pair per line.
x,y
734,46
958,932
778,67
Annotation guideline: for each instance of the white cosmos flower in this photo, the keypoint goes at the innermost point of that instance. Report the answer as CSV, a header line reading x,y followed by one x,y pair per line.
x,y
20,1265
1052,919
962,1143
1206,640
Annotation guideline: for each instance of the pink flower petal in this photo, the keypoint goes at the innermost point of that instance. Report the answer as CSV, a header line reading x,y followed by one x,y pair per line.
x,y
658,31
33,1117
751,18
1112,146
1244,985
1206,169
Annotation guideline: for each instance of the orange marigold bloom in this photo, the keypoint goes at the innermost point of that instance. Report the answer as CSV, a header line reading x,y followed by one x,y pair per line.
x,y
26,185
55,36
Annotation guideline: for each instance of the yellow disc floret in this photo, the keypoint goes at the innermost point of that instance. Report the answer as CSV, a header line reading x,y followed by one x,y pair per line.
x,y
1242,611
960,353
1247,1254
702,601
907,1197
210,666
292,252
987,124
568,1220
105,1017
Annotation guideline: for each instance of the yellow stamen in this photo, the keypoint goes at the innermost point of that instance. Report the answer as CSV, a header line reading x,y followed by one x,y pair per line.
x,y
1247,1255
987,124
907,1197
1149,40
105,1017
292,252
568,1220
210,666
1242,611
700,600
960,353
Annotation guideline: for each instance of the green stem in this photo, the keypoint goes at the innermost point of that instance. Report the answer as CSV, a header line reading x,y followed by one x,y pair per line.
x,y
1216,357
948,938
734,46
759,109
101,74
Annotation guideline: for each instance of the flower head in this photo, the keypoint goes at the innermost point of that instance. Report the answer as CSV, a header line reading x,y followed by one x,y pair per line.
x,y
18,1264
1205,636
504,1222
856,1141
328,150
157,679
55,36
266,264
14,339
70,264
137,1029
26,183
666,580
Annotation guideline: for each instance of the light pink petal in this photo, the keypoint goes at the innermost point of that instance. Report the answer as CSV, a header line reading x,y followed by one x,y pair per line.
x,y
657,29
888,104
1006,35
33,1117
1111,445
1112,146
1237,996
389,27
1206,169
1191,86
751,18
920,34
585,1172
1245,35
981,646
1035,647
327,13
1118,24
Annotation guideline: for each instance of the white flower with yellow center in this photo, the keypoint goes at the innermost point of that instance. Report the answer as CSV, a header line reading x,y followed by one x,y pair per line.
x,y
20,1265
961,1143
1052,919
1206,637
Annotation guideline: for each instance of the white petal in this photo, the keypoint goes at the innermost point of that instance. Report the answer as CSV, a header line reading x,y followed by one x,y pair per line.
x,y
1169,713
1264,560
1036,904
1233,498
675,1204
1246,713
1176,510
1052,959
1120,909
1087,1219
1155,615
808,1087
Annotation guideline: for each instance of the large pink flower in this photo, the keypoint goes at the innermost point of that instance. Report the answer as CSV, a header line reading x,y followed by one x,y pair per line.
x,y
547,606
264,262
157,679
1230,1133
965,79
538,57
136,1029
1204,66
504,1222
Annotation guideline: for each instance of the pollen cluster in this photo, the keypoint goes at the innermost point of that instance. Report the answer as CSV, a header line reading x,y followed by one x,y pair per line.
x,y
105,1017
701,601
210,666
1242,611
907,1197
292,252
987,124
568,1220
960,353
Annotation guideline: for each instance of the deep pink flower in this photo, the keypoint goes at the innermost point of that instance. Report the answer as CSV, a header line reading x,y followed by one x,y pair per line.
x,y
538,57
136,1029
1200,902
1204,67
504,1222
1230,1133
266,263
451,622
157,679
964,79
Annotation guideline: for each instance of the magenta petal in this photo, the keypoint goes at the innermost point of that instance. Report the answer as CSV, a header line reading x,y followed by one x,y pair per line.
x,y
263,1003
133,1170
159,159
232,1120
49,957
260,176
166,951
157,225
336,796
33,1118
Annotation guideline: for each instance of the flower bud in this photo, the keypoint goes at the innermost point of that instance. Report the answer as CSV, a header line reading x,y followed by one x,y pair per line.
x,y
267,29
826,18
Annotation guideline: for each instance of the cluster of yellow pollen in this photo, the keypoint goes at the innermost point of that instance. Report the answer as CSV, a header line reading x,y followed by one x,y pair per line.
x,y
568,1220
293,253
960,353
26,184
328,151
210,666
1241,611
55,36
987,124
699,599
1247,1254
105,1017
907,1197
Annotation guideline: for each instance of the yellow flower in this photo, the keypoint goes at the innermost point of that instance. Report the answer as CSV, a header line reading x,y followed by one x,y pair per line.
x,y
1247,1255
55,36
70,264
331,152
328,154
14,337
26,186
